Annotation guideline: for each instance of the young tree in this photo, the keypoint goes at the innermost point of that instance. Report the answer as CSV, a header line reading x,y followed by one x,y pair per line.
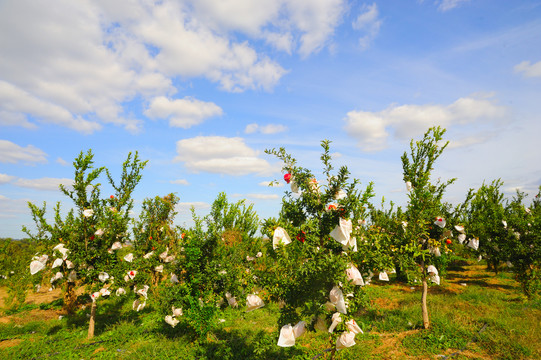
x,y
314,267
424,221
87,235
216,260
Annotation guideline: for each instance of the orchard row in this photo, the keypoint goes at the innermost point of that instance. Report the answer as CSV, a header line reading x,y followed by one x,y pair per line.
x,y
315,258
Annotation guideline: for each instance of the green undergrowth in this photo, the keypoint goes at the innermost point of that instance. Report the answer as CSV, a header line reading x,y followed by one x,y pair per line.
x,y
474,315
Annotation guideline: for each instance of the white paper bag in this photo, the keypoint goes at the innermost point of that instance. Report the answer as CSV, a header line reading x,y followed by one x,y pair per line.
x,y
253,302
337,298
336,319
345,340
342,232
171,321
354,275
353,326
280,237
287,337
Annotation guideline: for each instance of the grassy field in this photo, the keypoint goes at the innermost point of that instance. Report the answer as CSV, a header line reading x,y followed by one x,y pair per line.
x,y
474,315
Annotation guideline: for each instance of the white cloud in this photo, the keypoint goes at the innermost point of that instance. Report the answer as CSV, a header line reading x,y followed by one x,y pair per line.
x,y
265,129
62,161
183,113
529,70
256,196
95,56
17,104
267,184
180,182
373,129
302,25
316,19
369,22
262,196
446,5
74,75
186,206
4,178
13,153
45,183
222,155
12,208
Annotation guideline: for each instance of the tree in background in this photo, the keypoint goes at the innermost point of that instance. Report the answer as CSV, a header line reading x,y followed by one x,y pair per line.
x,y
485,223
214,264
523,225
424,231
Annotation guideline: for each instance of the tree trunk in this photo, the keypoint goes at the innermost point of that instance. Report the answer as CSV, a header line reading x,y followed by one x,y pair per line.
x,y
69,298
92,320
333,347
426,321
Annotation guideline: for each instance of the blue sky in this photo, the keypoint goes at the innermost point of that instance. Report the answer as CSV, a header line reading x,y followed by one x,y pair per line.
x,y
202,88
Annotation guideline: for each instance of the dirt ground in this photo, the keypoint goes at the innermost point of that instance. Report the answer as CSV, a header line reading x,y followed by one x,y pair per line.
x,y
42,297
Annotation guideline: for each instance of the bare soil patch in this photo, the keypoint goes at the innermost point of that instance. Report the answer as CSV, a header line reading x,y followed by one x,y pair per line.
x,y
9,343
32,315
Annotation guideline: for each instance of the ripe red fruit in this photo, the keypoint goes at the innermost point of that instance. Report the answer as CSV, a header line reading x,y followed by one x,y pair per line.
x,y
448,241
332,207
112,196
150,237
92,237
182,236
287,177
301,236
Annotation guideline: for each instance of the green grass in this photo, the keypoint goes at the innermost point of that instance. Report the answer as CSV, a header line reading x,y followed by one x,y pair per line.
x,y
510,324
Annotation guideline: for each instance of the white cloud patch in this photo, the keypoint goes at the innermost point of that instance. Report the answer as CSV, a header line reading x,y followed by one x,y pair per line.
x,y
180,182
4,178
302,25
529,70
268,183
17,104
12,208
13,153
95,57
256,196
183,113
265,129
446,5
187,206
49,184
61,161
369,22
316,20
373,129
222,155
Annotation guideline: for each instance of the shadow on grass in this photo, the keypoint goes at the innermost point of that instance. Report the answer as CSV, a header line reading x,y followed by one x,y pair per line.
x,y
237,345
108,313
53,330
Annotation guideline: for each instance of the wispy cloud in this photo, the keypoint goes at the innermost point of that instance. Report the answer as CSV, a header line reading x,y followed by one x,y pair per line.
x,y
368,21
48,184
528,69
180,182
13,153
268,129
446,5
